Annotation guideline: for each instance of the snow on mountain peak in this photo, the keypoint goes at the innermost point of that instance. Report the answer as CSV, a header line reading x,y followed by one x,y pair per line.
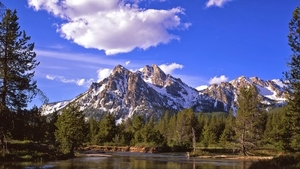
x,y
150,92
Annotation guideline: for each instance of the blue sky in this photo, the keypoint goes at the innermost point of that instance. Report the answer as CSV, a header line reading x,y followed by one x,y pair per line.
x,y
199,41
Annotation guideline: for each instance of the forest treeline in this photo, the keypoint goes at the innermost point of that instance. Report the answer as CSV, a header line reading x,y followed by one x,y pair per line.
x,y
179,131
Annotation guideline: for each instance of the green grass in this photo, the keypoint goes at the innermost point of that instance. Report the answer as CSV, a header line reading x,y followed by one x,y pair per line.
x,y
291,161
25,150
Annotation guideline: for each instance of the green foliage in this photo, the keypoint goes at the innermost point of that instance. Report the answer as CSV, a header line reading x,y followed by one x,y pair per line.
x,y
228,134
277,130
93,130
29,124
51,127
208,136
248,119
292,76
200,125
186,120
281,162
138,123
71,129
17,62
125,135
107,129
163,126
150,134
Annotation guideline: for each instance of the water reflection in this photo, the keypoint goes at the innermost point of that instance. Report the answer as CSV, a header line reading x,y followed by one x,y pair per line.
x,y
135,161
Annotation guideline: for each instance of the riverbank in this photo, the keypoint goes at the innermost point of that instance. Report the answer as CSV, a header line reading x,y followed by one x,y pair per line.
x,y
99,151
24,151
237,157
136,149
289,161
30,151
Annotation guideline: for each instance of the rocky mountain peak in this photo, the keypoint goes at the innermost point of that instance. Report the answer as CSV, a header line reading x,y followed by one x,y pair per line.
x,y
240,82
258,81
119,69
159,77
147,71
151,92
154,75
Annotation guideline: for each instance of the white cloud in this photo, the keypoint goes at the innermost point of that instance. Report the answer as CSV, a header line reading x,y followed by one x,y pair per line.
x,y
79,57
127,63
50,77
218,3
112,25
218,80
203,87
168,69
103,73
79,82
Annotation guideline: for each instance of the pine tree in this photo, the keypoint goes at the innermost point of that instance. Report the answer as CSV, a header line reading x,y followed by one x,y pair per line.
x,y
277,130
217,125
17,62
93,132
164,126
107,128
292,76
186,121
228,133
200,125
71,129
208,136
138,124
150,134
172,136
248,118
51,127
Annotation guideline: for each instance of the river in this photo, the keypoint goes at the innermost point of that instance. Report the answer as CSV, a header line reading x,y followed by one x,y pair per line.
x,y
134,161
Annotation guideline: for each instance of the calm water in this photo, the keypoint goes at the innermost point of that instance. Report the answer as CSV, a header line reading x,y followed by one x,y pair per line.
x,y
135,161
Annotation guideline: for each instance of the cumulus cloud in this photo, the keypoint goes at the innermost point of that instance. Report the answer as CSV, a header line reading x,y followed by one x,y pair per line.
x,y
127,63
218,80
168,69
103,73
218,3
79,82
112,25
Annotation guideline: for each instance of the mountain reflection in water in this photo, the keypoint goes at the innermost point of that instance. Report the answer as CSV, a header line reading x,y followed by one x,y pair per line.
x,y
124,160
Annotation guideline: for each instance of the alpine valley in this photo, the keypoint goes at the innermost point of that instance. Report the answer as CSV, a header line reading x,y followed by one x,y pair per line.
x,y
151,92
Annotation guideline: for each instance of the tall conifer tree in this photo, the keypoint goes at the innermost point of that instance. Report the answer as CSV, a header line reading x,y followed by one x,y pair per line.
x,y
292,76
17,62
71,129
248,117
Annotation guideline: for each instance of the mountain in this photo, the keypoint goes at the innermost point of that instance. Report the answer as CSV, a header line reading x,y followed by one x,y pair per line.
x,y
270,93
150,92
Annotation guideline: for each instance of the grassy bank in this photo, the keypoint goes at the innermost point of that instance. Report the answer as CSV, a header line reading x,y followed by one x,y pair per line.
x,y
290,161
30,151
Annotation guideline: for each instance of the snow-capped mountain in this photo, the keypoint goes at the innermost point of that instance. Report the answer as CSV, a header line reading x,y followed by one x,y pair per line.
x,y
270,93
150,92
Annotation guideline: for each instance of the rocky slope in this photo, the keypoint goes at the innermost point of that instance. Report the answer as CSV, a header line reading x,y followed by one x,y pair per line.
x,y
150,92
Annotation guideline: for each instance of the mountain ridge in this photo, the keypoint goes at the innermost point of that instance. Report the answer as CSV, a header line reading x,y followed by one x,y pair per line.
x,y
150,92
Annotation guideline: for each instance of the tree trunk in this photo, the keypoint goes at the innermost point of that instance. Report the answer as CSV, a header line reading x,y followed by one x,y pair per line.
x,y
194,139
